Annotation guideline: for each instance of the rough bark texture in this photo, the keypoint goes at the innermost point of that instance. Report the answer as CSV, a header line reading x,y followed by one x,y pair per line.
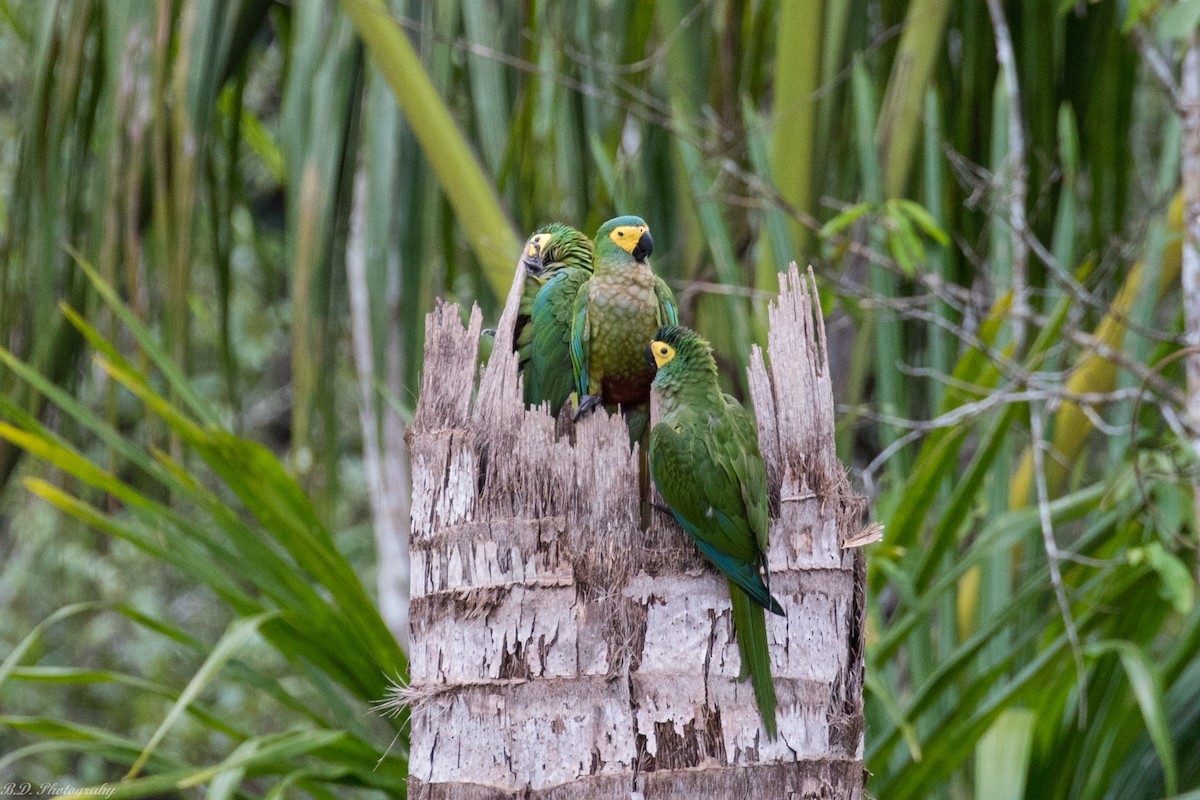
x,y
561,650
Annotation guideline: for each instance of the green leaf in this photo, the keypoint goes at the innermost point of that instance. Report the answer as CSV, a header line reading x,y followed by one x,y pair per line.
x,y
77,738
265,750
843,220
477,208
226,782
1169,509
781,247
905,245
1135,11
256,135
1148,691
1180,20
892,708
923,220
1177,585
235,635
1068,142
14,658
1002,756
165,363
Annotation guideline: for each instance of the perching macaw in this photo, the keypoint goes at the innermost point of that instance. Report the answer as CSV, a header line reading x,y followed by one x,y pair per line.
x,y
534,279
614,315
705,461
547,249
559,259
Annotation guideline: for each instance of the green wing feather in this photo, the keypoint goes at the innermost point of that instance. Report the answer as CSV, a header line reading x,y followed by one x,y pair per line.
x,y
549,376
668,309
524,326
581,339
696,467
741,451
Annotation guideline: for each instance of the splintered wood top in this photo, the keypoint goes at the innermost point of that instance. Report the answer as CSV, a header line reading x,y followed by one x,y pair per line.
x,y
560,647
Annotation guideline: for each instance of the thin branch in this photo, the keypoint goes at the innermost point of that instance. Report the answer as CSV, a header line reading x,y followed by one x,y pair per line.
x,y
1016,169
1182,428
1037,429
686,287
1050,394
1158,64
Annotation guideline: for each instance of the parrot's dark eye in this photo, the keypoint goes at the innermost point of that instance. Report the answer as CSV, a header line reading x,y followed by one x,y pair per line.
x,y
621,234
662,353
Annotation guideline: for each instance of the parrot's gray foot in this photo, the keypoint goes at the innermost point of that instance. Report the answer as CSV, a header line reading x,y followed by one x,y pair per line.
x,y
587,406
488,332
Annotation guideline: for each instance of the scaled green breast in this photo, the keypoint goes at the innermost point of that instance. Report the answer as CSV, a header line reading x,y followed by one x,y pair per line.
x,y
623,314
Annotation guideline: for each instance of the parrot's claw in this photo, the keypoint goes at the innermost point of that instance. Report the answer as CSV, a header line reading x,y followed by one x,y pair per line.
x,y
488,332
588,405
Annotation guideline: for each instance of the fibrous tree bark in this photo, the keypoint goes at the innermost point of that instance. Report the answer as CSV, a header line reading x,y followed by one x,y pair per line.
x,y
559,649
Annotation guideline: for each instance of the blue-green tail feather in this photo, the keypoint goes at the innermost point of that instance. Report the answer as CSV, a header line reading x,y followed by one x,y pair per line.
x,y
742,573
750,623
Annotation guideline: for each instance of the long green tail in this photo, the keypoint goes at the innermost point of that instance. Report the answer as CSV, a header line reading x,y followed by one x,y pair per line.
x,y
750,622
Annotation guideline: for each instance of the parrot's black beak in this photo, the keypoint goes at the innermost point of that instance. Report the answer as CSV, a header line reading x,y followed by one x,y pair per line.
x,y
650,357
531,257
644,247
533,264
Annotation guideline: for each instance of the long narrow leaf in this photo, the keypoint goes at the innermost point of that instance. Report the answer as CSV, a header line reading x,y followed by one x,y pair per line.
x,y
234,637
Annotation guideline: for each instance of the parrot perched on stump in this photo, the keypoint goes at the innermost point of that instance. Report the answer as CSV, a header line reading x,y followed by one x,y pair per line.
x,y
614,315
547,250
705,461
557,259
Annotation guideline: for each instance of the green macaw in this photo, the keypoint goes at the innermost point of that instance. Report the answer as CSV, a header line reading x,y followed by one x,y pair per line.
x,y
541,260
705,461
558,260
534,279
531,259
614,315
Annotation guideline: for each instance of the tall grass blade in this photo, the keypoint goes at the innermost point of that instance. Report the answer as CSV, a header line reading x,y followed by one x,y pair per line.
x,y
492,236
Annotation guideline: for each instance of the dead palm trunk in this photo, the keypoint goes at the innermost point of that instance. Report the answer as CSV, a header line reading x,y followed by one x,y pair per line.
x,y
560,650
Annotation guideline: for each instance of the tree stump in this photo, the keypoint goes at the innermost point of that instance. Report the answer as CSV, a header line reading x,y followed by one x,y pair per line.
x,y
561,650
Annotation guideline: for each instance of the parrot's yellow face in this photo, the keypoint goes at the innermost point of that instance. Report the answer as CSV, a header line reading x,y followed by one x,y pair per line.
x,y
662,352
536,243
627,237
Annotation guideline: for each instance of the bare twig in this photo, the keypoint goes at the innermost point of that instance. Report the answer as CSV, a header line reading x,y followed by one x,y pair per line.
x,y
1050,393
1037,429
1158,64
1016,169
685,287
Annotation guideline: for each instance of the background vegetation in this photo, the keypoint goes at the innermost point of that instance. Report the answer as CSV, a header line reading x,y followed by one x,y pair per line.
x,y
223,222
